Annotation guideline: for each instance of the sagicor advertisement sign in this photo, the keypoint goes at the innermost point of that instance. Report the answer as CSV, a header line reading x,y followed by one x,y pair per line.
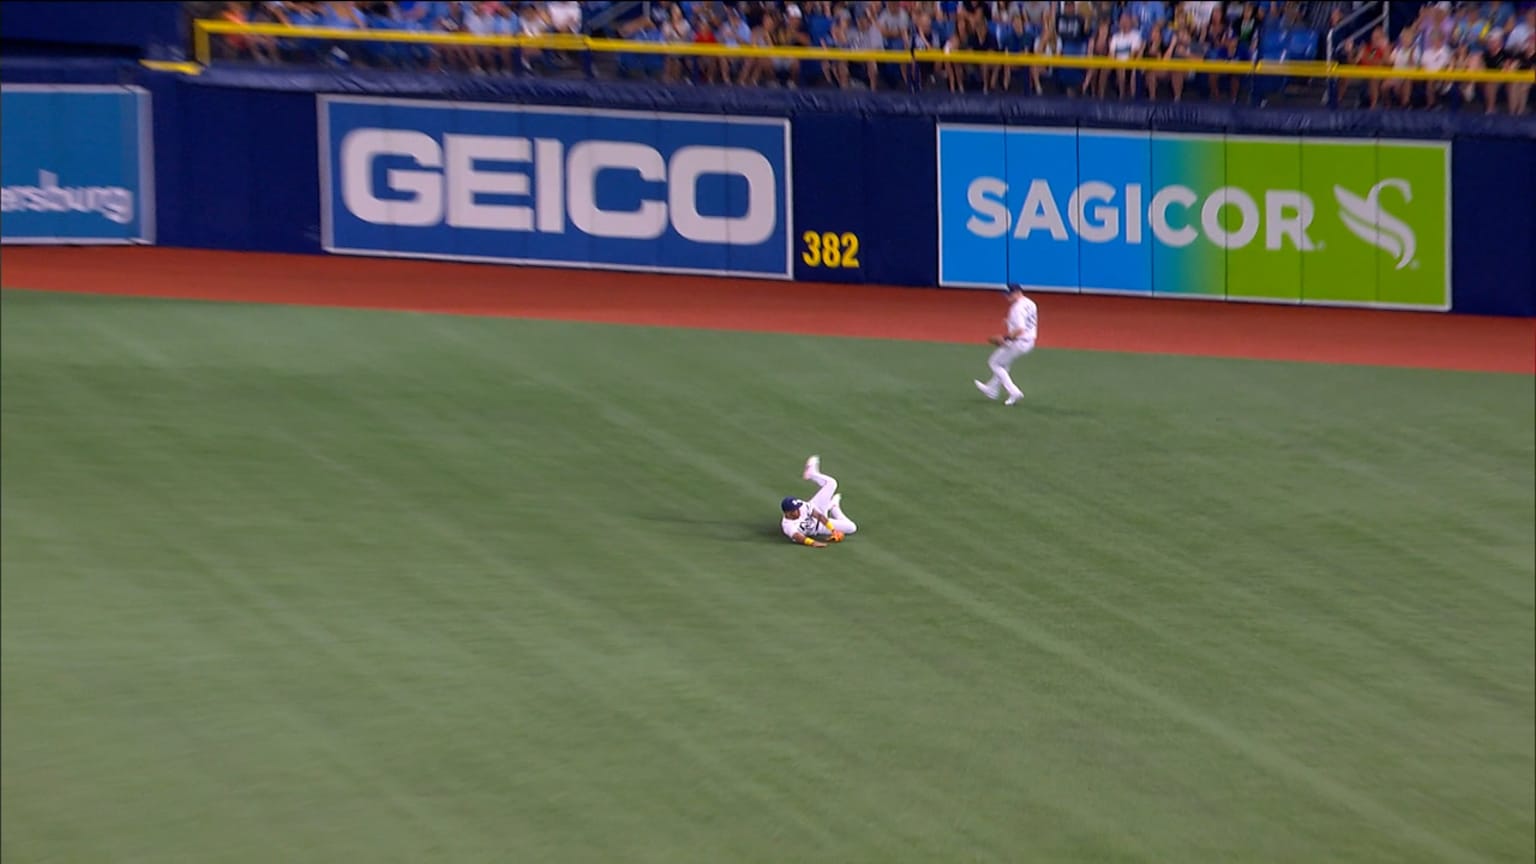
x,y
1325,221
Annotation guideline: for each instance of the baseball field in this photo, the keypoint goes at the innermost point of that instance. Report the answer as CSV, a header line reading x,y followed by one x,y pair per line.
x,y
374,561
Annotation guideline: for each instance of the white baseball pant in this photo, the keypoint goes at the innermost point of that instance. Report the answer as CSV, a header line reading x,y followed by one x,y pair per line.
x,y
999,362
822,503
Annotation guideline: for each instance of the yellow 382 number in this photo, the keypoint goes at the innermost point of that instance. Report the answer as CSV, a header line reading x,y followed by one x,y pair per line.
x,y
830,249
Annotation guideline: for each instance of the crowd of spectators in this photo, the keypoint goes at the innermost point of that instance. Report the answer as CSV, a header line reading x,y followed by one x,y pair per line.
x,y
1460,36
1465,35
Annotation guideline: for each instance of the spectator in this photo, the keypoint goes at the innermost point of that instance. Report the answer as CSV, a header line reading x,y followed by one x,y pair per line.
x,y
1522,60
1047,44
927,37
1345,52
1522,32
1482,25
984,39
1463,28
1203,16
564,16
1015,41
1441,20
1463,60
505,23
977,14
1035,13
1158,46
235,13
1494,57
869,37
1376,53
675,30
263,49
1211,26
1098,46
1128,45
1248,27
733,33
838,37
1226,48
1072,28
1500,14
896,30
487,20
790,34
958,41
1180,48
706,28
754,68
1436,57
1404,56
1146,14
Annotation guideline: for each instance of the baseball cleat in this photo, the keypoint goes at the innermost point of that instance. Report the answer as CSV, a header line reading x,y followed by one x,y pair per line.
x,y
812,466
1013,399
990,394
837,502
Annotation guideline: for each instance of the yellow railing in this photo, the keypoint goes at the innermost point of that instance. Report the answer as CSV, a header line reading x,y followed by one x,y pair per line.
x,y
204,29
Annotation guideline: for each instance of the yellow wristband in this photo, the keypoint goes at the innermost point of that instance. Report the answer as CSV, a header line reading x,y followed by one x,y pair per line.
x,y
810,542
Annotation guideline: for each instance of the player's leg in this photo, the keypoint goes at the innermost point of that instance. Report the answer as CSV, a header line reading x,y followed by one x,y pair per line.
x,y
822,500
838,518
1000,364
991,387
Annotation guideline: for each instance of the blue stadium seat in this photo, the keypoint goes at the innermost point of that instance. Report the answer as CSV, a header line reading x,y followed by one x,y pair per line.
x,y
1274,45
1302,45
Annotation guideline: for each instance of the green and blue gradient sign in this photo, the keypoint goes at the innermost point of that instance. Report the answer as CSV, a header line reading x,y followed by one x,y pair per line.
x,y
1324,221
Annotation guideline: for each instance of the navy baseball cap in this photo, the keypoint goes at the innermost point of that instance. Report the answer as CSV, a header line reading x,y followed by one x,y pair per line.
x,y
789,504
1014,286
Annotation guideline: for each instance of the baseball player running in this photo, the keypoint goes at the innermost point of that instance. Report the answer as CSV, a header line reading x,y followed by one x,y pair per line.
x,y
1018,340
808,523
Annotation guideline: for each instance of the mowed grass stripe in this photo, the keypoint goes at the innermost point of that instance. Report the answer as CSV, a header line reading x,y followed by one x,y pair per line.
x,y
526,574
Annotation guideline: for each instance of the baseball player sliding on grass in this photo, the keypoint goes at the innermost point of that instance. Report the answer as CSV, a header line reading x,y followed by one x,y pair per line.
x,y
821,518
1022,323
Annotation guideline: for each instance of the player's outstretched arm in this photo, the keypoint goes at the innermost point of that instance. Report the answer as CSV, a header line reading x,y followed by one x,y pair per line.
x,y
806,541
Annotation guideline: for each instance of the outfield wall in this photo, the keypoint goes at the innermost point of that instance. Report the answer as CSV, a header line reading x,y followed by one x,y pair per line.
x,y
1404,210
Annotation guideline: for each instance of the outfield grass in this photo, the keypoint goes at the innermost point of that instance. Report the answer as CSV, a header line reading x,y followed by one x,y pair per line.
x,y
322,586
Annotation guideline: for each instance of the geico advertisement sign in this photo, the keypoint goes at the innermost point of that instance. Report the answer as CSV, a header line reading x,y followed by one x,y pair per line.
x,y
1301,220
626,190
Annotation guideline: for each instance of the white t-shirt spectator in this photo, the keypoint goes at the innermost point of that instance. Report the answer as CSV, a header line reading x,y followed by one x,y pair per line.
x,y
1405,57
1124,46
1200,11
1518,36
564,17
1434,59
869,37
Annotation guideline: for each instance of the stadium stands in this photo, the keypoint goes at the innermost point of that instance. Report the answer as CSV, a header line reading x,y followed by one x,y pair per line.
x,y
1477,35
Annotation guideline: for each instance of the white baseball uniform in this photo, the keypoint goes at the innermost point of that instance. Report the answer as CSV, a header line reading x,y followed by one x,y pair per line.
x,y
821,502
1023,318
